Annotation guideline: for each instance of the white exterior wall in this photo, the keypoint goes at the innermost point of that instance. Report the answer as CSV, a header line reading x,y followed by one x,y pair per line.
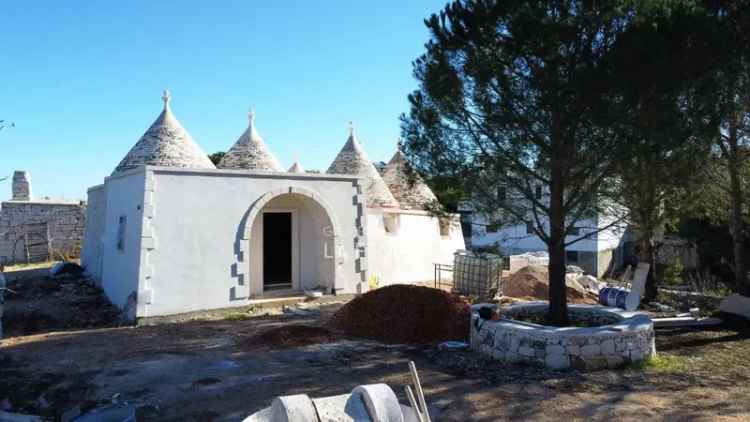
x,y
408,255
203,257
515,239
120,268
91,251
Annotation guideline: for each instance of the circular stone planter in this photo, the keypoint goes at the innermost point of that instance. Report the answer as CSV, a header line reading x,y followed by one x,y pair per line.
x,y
625,337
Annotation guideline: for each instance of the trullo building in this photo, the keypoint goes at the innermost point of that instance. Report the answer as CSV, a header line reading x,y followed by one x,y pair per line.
x,y
168,232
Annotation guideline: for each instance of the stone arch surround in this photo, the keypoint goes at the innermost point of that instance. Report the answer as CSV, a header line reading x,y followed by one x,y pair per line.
x,y
243,289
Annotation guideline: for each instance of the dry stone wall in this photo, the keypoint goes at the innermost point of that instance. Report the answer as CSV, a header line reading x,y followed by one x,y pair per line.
x,y
627,337
65,222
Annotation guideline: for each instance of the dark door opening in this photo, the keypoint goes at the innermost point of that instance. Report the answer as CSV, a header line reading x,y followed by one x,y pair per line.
x,y
277,250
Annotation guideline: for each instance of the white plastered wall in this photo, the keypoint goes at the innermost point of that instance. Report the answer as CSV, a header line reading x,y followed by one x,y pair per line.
x,y
408,255
92,248
514,239
203,253
120,268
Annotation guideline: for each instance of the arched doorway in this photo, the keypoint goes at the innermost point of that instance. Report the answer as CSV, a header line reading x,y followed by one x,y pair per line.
x,y
292,244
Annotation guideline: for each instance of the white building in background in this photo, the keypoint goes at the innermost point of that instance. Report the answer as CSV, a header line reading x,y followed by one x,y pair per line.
x,y
596,253
168,232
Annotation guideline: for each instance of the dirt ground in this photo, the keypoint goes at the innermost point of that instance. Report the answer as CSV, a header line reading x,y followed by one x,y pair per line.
x,y
213,370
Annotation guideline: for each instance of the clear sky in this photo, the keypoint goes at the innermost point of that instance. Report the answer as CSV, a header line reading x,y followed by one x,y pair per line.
x,y
82,80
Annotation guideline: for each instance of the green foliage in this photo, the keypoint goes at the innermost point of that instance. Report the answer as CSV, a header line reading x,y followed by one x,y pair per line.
x,y
662,363
517,95
237,317
509,91
216,157
673,274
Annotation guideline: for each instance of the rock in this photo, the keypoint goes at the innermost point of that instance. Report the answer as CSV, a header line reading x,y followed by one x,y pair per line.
x,y
17,417
573,269
737,305
443,404
589,283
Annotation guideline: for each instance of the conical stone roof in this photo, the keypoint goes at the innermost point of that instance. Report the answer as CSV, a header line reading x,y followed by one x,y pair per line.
x,y
250,152
165,143
296,168
353,160
409,189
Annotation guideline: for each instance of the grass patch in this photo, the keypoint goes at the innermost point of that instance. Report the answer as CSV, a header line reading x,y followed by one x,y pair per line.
x,y
31,266
237,317
662,363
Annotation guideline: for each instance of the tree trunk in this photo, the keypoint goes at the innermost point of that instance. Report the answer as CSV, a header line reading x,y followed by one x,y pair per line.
x,y
736,223
648,255
558,301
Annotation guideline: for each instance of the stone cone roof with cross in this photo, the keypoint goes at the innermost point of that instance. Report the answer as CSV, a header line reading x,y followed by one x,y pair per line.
x,y
165,143
353,160
407,186
250,152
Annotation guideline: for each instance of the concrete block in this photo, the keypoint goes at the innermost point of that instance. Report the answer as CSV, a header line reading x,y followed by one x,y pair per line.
x,y
297,408
608,347
381,402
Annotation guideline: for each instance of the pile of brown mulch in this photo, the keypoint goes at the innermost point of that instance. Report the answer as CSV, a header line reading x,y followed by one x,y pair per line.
x,y
405,314
533,282
289,336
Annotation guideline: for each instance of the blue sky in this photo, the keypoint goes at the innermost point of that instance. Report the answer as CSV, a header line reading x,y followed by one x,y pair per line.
x,y
82,80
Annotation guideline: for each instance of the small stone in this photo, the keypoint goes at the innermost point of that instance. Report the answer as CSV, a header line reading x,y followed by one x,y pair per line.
x,y
443,404
608,347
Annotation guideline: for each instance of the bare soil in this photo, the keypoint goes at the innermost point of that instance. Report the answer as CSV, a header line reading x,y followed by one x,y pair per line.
x,y
204,371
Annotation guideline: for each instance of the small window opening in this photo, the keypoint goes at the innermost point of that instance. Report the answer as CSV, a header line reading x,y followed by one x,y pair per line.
x,y
121,233
445,227
529,228
538,192
571,256
575,231
391,223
